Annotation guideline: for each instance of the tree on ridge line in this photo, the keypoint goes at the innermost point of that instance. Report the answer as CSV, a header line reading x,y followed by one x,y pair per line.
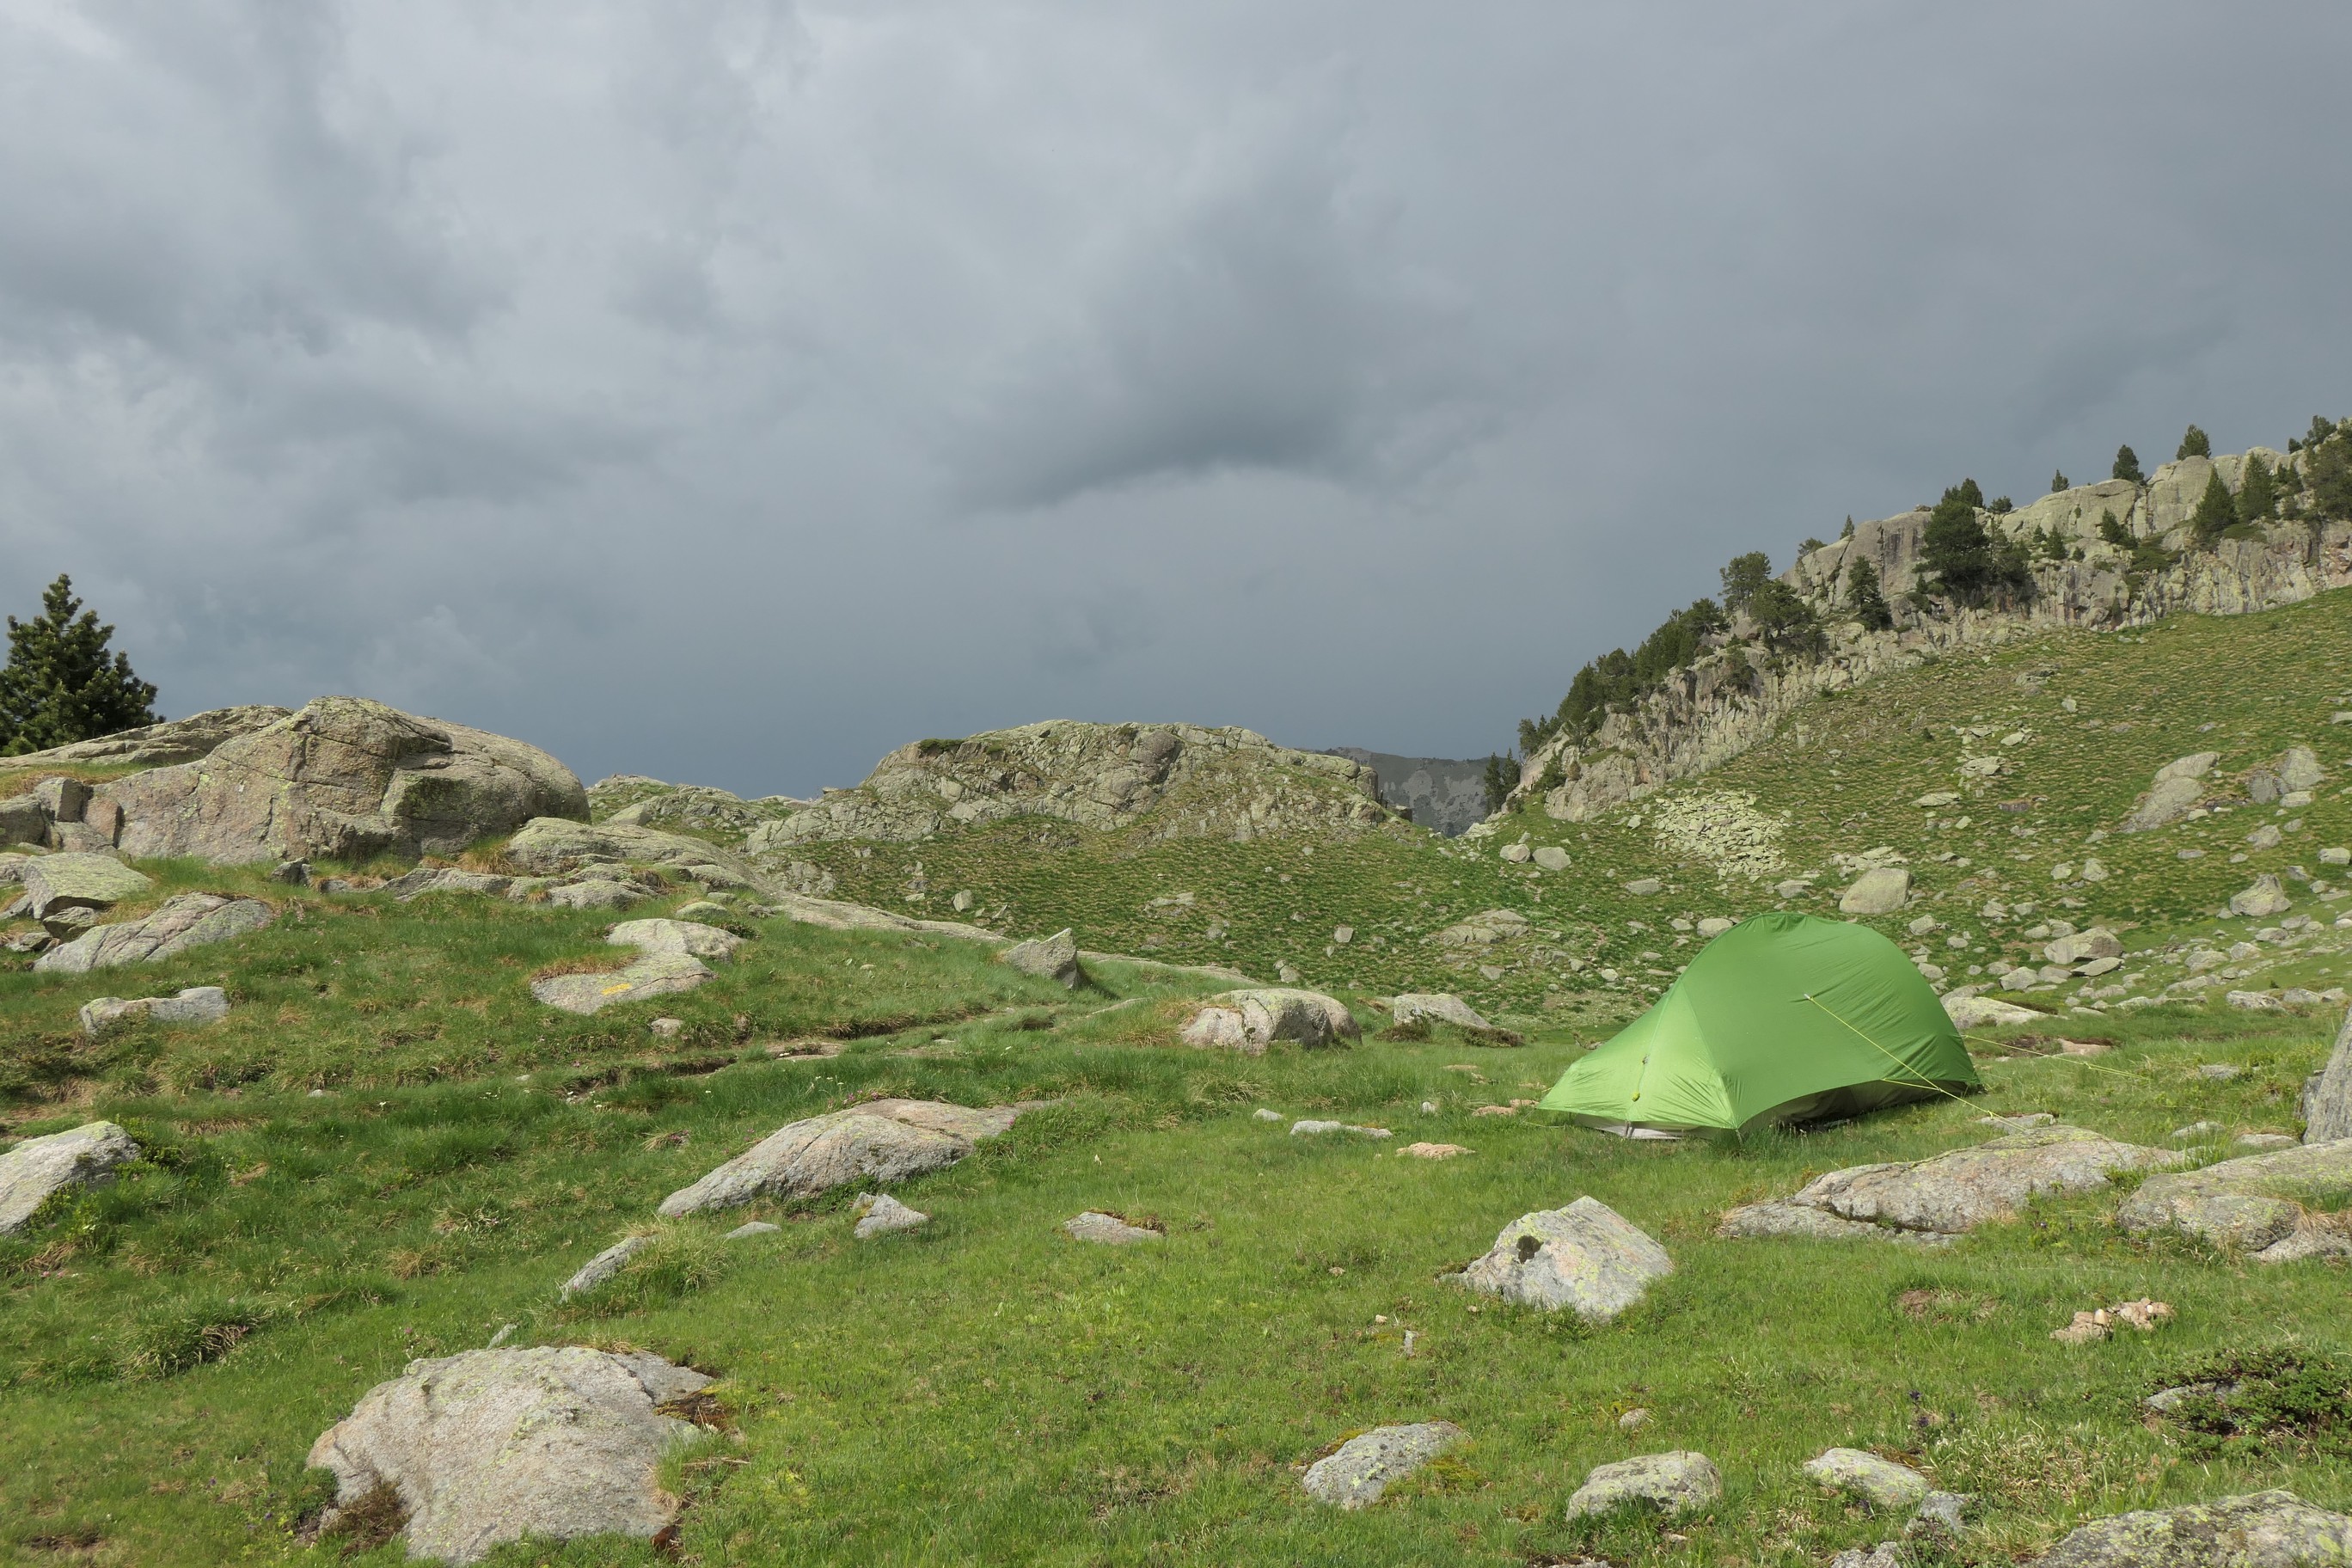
x,y
59,684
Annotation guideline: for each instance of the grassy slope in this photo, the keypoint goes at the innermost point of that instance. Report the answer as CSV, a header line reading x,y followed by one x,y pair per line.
x,y
986,1391
1843,773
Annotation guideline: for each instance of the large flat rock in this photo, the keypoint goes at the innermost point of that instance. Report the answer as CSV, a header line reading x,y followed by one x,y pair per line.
x,y
1962,1189
1587,1257
1669,1482
491,1445
38,1167
2328,1109
54,882
183,921
2263,1530
2255,1204
656,974
882,1140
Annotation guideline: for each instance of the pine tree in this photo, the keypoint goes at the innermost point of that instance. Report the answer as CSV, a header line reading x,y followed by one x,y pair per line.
x,y
2194,443
2127,466
1501,778
1743,578
2058,482
2114,532
2257,493
1848,531
1865,598
59,686
1959,557
2217,510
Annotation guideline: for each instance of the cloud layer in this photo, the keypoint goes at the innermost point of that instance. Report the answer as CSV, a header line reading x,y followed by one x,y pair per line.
x,y
733,390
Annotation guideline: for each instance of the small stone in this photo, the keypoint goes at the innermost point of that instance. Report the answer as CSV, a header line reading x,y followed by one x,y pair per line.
x,y
1939,1513
1438,1006
1054,958
604,1266
1355,1474
1107,1229
1645,886
1881,890
1433,1151
1551,858
1263,1115
1516,854
666,1028
2262,896
1634,1420
752,1227
885,1214
2195,1131
294,873
2220,1072
2267,1141
1316,1128
1670,1483
1585,1257
1715,926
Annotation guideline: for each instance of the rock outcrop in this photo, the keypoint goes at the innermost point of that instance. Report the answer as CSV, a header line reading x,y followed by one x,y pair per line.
x,y
1187,781
2273,1205
1359,1470
1956,1192
491,1445
2263,1529
881,1141
1586,1257
55,884
1249,1021
196,1005
181,923
2328,1105
159,745
1713,711
343,778
40,1167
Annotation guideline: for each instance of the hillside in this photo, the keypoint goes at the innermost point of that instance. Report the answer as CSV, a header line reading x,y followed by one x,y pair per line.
x,y
1445,793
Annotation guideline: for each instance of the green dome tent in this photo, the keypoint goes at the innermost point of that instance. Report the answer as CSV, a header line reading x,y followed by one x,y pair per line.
x,y
1784,1017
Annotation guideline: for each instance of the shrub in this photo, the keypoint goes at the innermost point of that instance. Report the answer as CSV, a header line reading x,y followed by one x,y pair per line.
x,y
2114,532
2194,443
1617,679
2128,466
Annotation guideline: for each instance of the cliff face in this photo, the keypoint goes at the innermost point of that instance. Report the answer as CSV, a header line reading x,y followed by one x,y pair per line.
x,y
1713,711
1446,793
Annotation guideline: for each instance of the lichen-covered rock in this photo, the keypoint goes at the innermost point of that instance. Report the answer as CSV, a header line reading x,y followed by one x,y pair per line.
x,y
1670,1483
1054,958
655,975
551,846
488,1447
1964,1188
343,778
1586,1257
38,1167
1781,1218
2255,1204
197,1004
1355,1474
1248,1021
2261,898
426,879
56,882
181,923
882,1140
159,745
1881,1483
1981,1012
2263,1529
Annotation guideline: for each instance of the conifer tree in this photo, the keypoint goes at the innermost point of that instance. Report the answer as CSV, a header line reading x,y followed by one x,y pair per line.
x,y
2257,493
59,686
2194,443
1502,777
1744,578
2058,482
1865,598
2217,510
2127,466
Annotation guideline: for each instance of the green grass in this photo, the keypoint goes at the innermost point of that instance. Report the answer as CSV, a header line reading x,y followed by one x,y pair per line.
x,y
985,1390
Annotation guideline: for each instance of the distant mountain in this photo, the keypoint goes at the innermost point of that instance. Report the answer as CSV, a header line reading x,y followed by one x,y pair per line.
x,y
1440,792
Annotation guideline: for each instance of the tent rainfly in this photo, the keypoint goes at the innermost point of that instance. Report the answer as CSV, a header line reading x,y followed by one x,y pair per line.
x,y
1785,1018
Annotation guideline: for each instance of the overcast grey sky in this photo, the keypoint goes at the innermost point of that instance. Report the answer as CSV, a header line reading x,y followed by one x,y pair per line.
x,y
734,391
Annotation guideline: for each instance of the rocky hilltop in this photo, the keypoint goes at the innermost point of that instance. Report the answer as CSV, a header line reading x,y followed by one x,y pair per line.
x,y
1441,793
1178,781
1720,704
341,778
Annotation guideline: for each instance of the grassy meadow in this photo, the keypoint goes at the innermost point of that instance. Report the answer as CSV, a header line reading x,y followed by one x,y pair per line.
x,y
389,1150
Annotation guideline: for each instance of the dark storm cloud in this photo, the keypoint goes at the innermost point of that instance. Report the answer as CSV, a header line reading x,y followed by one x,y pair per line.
x,y
732,390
